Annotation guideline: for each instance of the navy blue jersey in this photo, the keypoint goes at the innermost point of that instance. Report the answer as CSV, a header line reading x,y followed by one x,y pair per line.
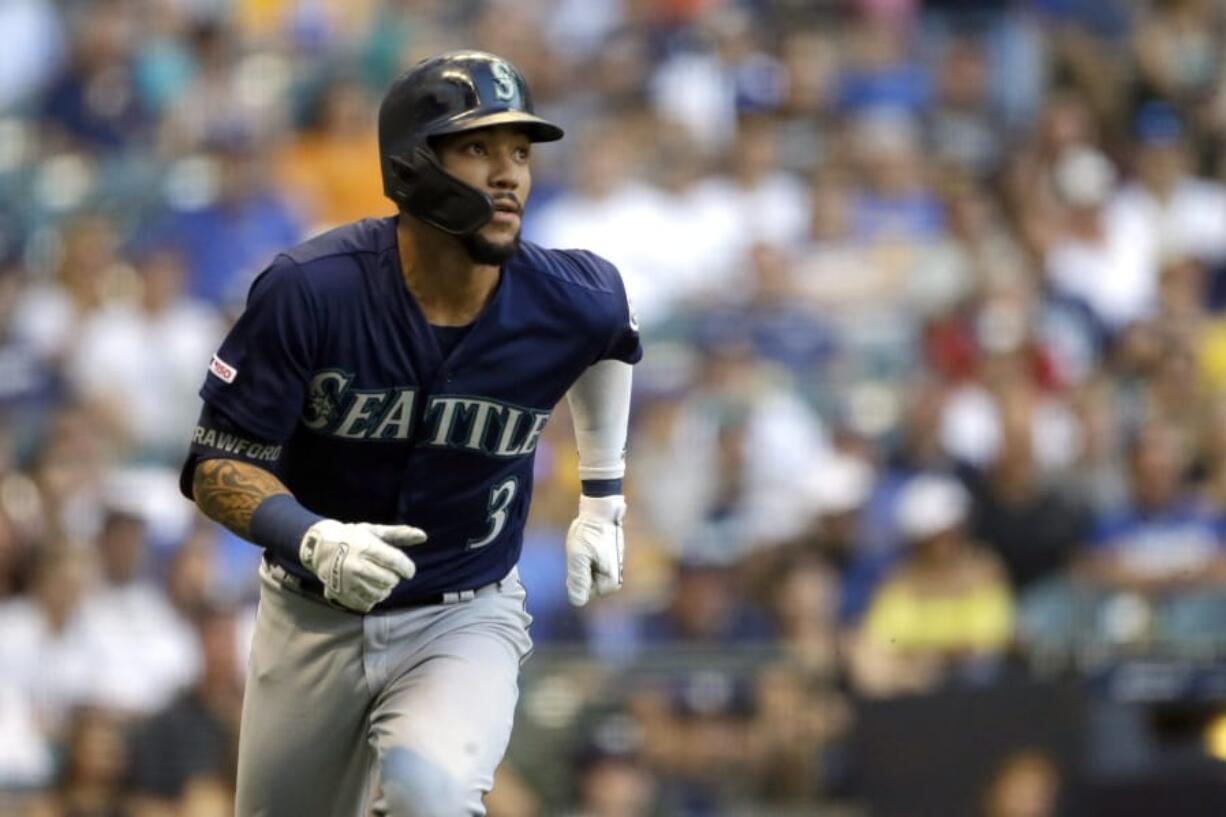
x,y
333,380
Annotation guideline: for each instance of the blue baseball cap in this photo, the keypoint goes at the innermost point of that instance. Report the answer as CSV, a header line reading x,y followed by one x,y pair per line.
x,y
1157,123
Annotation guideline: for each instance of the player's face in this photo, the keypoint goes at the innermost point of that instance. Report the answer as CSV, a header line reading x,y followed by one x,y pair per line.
x,y
495,161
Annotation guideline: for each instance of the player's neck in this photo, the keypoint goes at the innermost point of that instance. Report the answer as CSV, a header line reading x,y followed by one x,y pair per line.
x,y
449,287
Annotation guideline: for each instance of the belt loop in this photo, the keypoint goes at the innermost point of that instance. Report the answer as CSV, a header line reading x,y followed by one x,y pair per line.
x,y
457,596
282,576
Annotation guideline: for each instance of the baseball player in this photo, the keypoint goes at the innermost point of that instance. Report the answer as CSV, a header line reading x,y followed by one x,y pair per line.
x,y
371,422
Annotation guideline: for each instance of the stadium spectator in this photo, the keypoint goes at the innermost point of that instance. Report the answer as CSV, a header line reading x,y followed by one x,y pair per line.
x,y
964,129
695,740
1183,215
90,783
706,607
1176,48
826,576
796,737
1027,519
331,170
945,612
143,650
1152,567
1101,255
94,104
613,780
895,204
138,363
1027,784
1165,537
217,99
228,237
803,599
46,665
682,214
767,202
68,469
28,386
85,271
192,742
879,71
725,468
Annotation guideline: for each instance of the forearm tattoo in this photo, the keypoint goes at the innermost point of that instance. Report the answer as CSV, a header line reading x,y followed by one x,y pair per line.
x,y
229,492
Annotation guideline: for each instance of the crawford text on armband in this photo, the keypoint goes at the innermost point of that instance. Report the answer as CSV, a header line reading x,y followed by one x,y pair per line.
x,y
234,444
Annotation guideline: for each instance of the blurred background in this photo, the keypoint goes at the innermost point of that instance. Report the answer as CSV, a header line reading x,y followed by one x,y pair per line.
x,y
928,460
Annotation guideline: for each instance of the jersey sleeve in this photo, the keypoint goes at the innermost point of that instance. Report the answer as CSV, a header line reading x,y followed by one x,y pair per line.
x,y
624,342
258,377
216,436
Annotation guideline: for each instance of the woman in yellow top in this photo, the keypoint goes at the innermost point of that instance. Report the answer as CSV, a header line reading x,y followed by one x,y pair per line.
x,y
946,606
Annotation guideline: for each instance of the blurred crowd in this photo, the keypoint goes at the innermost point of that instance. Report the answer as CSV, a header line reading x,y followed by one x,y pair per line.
x,y
934,393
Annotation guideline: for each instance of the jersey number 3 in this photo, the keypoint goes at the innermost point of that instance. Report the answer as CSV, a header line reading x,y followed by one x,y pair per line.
x,y
500,499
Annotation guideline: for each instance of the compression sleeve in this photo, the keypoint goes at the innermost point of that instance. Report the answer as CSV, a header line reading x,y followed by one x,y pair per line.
x,y
600,405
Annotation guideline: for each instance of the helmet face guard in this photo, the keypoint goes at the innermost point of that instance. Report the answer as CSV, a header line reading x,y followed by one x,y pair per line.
x,y
452,93
425,189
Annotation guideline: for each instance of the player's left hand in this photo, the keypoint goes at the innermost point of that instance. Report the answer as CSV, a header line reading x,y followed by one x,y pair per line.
x,y
594,548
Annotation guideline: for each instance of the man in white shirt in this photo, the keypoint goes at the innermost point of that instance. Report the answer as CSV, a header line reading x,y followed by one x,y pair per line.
x,y
1182,214
134,361
145,651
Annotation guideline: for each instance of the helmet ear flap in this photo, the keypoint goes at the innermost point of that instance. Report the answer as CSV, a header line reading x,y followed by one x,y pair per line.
x,y
425,190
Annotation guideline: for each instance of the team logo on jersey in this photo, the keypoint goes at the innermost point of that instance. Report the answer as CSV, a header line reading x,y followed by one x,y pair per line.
x,y
321,406
223,370
459,422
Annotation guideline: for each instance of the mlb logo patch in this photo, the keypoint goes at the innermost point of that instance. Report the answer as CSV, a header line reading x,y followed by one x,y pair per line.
x,y
223,370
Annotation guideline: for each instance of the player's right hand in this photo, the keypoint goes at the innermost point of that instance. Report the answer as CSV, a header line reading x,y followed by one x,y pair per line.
x,y
359,564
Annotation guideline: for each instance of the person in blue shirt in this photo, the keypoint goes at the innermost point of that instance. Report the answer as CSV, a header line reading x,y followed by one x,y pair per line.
x,y
225,240
371,421
1166,538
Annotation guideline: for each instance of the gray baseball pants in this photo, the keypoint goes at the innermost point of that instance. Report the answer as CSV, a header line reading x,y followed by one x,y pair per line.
x,y
405,713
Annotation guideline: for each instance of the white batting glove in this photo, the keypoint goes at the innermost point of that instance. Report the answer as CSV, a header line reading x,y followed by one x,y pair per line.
x,y
594,546
359,564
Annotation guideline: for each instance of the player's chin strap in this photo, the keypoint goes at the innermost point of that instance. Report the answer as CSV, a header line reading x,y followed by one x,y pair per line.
x,y
433,195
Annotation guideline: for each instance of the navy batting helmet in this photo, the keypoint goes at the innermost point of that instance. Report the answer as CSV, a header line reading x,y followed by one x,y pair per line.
x,y
454,92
